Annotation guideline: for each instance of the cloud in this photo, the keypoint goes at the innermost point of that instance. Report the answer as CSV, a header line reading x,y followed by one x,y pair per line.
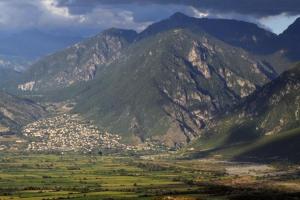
x,y
249,7
262,12
96,15
70,14
47,14
259,8
17,14
103,18
278,23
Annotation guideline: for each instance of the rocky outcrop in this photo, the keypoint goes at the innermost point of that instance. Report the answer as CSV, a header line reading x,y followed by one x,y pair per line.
x,y
198,59
27,86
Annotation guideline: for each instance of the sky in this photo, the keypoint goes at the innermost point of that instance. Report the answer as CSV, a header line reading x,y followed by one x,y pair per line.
x,y
89,16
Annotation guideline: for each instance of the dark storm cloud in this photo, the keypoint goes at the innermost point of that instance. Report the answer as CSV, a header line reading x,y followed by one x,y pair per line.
x,y
261,8
262,12
88,14
92,16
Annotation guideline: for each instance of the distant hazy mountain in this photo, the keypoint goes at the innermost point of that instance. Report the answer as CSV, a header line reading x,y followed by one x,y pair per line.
x,y
7,75
32,44
11,68
19,50
16,112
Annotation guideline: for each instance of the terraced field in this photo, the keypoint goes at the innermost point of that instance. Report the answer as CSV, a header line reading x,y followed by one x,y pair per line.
x,y
73,176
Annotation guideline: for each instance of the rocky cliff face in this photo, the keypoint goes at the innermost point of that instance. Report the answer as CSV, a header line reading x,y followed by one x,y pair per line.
x,y
265,126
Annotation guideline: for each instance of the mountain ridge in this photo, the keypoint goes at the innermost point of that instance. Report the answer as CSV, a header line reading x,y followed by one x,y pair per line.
x,y
270,116
288,41
79,62
237,33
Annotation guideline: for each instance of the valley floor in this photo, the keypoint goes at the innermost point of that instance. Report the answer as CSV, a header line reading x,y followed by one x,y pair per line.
x,y
76,176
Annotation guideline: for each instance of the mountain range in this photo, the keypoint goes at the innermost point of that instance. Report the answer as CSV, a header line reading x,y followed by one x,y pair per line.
x,y
81,61
174,81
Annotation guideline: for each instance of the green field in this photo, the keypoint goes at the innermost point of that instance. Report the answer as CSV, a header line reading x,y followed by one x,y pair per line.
x,y
73,176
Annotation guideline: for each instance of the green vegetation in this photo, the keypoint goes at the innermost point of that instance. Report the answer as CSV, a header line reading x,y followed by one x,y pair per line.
x,y
74,176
